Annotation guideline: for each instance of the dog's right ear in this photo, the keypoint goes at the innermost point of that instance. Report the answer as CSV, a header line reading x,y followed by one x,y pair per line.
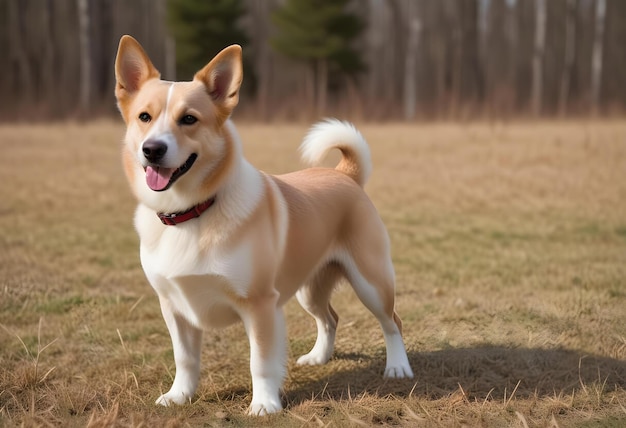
x,y
132,69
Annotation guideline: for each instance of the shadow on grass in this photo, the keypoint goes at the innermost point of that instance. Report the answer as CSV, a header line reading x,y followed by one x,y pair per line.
x,y
483,373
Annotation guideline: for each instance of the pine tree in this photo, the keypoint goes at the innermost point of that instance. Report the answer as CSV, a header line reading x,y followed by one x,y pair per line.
x,y
319,33
202,29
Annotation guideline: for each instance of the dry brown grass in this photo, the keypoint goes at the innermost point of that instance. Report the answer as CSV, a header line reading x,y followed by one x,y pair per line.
x,y
509,243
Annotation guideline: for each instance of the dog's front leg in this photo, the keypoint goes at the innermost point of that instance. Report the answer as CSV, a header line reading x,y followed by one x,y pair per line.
x,y
186,341
265,327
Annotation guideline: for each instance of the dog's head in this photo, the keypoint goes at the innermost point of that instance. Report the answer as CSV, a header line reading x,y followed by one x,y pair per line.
x,y
176,147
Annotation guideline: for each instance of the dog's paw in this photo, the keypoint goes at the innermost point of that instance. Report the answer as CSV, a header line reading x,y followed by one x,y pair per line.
x,y
398,372
312,359
170,398
263,409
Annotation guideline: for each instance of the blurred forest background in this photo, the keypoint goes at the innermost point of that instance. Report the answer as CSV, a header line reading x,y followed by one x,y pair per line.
x,y
360,59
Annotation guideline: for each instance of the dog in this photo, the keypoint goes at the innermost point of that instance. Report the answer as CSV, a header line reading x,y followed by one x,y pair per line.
x,y
221,241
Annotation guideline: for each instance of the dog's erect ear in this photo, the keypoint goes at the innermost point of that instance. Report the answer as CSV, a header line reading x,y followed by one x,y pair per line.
x,y
222,78
132,68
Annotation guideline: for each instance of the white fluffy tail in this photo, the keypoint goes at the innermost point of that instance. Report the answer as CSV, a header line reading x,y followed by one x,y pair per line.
x,y
335,134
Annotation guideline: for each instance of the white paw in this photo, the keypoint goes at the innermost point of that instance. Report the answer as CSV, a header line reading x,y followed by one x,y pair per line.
x,y
398,372
312,359
173,397
263,409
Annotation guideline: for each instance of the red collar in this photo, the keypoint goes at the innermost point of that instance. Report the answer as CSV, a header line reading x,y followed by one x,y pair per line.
x,y
172,219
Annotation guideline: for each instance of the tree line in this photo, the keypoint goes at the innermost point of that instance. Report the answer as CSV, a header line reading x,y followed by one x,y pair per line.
x,y
362,59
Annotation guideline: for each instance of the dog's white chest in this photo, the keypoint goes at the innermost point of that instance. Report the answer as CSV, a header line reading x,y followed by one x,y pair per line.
x,y
200,284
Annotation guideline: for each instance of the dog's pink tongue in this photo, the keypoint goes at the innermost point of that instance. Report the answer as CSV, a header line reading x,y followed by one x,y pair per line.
x,y
158,177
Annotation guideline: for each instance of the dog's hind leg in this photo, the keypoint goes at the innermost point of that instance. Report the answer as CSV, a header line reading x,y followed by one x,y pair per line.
x,y
314,297
374,285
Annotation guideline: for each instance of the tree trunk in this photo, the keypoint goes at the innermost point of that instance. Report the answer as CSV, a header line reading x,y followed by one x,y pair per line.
x,y
398,19
410,78
472,85
540,39
596,58
159,32
309,88
500,58
440,58
45,51
455,65
85,59
513,35
262,57
321,86
23,76
170,57
570,50
376,67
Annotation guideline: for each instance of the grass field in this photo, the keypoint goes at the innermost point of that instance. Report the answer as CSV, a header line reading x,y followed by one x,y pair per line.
x,y
509,243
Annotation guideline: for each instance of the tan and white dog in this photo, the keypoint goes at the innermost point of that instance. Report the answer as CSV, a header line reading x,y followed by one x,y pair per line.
x,y
222,241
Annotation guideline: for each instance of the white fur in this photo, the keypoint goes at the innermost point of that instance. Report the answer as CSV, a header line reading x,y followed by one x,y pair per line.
x,y
267,371
397,361
263,240
177,254
330,134
324,344
195,288
161,131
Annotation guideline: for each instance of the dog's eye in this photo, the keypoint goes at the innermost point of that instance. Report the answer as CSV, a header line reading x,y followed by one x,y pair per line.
x,y
145,117
188,120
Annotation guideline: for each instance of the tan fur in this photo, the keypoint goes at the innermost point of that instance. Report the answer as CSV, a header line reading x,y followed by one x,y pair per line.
x,y
349,165
263,240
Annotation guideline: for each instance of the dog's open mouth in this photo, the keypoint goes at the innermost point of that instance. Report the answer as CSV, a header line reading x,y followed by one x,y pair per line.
x,y
160,179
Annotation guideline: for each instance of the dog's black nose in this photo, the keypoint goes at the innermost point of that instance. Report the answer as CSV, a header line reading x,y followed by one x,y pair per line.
x,y
154,150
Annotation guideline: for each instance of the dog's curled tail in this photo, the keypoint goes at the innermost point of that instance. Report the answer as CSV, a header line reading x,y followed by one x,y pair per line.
x,y
335,134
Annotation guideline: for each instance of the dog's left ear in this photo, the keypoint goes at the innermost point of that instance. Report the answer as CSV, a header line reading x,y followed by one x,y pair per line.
x,y
222,78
